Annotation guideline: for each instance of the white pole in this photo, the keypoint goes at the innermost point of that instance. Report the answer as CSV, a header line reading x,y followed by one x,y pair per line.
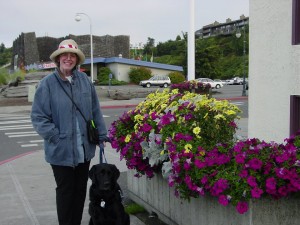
x,y
77,18
191,42
92,54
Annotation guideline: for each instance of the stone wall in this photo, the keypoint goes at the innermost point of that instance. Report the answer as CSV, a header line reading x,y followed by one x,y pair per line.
x,y
31,49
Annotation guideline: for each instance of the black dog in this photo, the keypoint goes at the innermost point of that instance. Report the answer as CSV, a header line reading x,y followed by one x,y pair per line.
x,y
106,206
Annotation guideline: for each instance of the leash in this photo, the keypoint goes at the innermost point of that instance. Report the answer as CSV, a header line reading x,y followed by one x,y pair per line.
x,y
101,146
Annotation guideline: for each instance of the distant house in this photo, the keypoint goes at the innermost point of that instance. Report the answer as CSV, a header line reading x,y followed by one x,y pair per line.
x,y
120,67
274,69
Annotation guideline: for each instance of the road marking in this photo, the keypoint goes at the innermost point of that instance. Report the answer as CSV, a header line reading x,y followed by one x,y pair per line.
x,y
36,141
16,127
22,135
15,121
25,132
29,145
15,117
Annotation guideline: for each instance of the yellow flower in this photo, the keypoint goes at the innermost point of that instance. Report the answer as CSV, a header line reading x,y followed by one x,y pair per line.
x,y
196,130
138,117
188,148
220,116
128,137
230,112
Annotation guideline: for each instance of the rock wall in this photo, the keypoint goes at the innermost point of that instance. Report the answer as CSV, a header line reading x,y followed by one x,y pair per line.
x,y
28,49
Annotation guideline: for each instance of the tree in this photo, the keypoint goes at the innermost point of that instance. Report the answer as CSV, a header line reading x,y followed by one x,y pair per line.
x,y
148,47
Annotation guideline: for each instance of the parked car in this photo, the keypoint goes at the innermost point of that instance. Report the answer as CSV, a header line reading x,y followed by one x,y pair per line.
x,y
237,80
156,80
222,81
230,82
213,84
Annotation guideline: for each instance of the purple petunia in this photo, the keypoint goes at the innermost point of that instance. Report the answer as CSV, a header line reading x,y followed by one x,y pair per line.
x,y
255,164
242,207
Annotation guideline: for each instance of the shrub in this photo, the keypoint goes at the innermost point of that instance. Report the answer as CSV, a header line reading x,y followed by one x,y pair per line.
x,y
176,77
103,77
139,73
103,74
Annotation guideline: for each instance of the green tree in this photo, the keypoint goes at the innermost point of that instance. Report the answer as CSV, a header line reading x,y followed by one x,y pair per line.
x,y
136,74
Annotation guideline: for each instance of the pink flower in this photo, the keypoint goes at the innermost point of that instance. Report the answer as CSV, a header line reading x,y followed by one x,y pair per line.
x,y
252,181
271,183
243,174
220,186
255,164
146,127
242,207
199,164
256,192
223,200
240,158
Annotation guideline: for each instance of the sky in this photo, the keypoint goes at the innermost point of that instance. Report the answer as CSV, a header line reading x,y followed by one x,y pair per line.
x,y
161,20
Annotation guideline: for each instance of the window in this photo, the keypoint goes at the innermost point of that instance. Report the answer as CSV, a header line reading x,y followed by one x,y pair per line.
x,y
296,22
294,114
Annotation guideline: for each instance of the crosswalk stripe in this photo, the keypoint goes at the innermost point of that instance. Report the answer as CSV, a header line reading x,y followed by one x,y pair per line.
x,y
15,121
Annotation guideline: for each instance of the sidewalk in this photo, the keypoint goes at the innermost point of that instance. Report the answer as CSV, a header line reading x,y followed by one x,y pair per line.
x,y
27,188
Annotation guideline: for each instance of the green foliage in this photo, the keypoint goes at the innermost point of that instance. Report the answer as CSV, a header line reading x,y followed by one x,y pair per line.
x,y
134,208
136,74
5,55
5,77
176,77
215,57
103,77
103,74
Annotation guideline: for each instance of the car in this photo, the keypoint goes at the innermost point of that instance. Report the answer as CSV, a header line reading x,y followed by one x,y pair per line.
x,y
237,80
213,84
156,80
229,82
222,81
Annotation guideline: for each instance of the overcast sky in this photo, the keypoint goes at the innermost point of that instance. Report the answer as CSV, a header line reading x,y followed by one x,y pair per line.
x,y
161,20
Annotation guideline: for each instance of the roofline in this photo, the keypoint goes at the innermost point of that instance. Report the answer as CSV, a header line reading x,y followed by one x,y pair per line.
x,y
134,63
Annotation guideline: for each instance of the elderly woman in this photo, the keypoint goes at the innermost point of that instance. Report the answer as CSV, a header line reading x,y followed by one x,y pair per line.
x,y
56,117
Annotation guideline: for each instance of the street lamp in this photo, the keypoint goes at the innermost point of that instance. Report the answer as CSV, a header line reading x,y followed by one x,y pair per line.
x,y
78,18
238,35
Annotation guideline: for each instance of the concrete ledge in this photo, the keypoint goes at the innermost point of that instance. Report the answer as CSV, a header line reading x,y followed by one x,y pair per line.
x,y
155,195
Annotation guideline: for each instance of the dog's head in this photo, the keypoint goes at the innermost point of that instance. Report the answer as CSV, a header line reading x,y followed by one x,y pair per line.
x,y
104,176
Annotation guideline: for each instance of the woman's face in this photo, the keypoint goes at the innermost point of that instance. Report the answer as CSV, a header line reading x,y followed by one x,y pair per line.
x,y
67,61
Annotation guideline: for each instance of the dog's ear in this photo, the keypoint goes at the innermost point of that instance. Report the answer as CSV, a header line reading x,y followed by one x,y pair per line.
x,y
116,172
92,175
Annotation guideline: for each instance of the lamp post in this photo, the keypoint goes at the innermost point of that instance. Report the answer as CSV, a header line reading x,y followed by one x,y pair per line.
x,y
238,35
78,18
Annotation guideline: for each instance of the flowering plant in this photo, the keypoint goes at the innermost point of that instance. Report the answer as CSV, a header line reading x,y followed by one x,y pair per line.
x,y
190,137
192,85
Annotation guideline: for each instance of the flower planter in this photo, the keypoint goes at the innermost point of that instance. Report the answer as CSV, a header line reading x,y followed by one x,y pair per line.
x,y
155,195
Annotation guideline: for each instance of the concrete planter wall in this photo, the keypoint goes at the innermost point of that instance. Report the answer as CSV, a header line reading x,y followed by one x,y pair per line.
x,y
155,195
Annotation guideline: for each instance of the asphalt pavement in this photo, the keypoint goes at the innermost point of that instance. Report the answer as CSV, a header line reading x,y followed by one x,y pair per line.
x,y
27,188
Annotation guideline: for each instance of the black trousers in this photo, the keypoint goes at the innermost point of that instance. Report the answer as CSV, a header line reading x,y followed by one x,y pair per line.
x,y
70,192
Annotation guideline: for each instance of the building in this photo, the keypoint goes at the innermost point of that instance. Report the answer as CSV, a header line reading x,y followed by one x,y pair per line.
x,y
227,28
274,65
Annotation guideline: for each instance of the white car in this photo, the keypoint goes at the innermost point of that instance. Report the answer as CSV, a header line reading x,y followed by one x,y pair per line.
x,y
222,81
156,80
213,84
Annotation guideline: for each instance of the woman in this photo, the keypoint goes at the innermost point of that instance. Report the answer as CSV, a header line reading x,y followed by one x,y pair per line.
x,y
56,118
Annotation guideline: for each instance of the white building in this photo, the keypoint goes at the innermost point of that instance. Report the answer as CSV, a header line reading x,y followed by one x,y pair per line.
x,y
274,69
